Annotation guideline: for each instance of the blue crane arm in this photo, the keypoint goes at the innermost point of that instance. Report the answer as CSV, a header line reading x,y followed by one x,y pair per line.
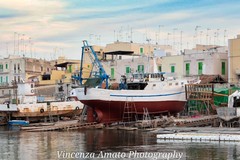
x,y
101,72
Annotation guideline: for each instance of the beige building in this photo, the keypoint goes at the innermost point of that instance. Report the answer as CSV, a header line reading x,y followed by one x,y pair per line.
x,y
125,58
173,64
234,60
127,48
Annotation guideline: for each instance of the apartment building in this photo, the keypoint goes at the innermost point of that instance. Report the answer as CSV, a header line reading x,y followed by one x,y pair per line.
x,y
213,61
234,60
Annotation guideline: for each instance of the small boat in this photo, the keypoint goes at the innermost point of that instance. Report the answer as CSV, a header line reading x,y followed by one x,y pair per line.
x,y
18,123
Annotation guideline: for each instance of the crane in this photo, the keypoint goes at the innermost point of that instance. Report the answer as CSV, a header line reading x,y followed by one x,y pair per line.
x,y
99,73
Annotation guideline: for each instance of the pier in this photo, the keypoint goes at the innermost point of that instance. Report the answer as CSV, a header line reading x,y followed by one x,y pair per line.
x,y
206,134
62,126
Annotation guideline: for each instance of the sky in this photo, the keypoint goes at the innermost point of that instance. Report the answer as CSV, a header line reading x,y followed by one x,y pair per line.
x,y
50,28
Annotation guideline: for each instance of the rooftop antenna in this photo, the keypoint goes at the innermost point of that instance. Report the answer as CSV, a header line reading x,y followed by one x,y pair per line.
x,y
160,36
181,40
22,40
18,42
7,48
156,36
14,46
168,38
217,35
120,33
114,32
207,36
30,47
224,37
131,35
201,37
196,33
148,40
174,29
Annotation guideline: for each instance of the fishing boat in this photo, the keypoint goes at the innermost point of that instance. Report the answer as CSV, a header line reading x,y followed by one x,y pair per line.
x,y
152,95
160,96
28,108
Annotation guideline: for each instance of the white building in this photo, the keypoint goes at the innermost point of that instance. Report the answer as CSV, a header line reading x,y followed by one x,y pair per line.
x,y
194,62
128,66
16,69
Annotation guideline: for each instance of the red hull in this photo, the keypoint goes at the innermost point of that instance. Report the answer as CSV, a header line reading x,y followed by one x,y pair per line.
x,y
112,111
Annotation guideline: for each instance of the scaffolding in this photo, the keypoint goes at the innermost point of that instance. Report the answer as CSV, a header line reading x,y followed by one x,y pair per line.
x,y
200,98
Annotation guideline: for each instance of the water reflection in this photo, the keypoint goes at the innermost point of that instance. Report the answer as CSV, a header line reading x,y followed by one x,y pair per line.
x,y
44,145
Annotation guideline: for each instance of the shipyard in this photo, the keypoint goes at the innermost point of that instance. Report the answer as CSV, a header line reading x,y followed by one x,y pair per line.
x,y
119,80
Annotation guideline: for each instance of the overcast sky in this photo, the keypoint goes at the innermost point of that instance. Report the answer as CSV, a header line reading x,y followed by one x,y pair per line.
x,y
51,28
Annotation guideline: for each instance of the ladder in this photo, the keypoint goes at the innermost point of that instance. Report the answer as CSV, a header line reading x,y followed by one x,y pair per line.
x,y
83,114
147,118
129,111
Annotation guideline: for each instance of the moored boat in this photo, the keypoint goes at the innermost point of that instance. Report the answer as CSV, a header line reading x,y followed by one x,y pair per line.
x,y
28,108
18,123
158,97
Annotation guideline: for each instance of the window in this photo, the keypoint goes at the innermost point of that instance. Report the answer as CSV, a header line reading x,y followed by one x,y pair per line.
x,y
14,68
187,69
112,73
70,68
223,68
200,68
128,70
1,68
160,68
172,69
6,79
141,51
46,77
6,66
140,68
1,79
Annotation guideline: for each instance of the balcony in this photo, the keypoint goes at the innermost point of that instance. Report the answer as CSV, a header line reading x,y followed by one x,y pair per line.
x,y
237,71
4,84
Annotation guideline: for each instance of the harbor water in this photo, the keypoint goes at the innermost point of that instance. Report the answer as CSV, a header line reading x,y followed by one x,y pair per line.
x,y
107,144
